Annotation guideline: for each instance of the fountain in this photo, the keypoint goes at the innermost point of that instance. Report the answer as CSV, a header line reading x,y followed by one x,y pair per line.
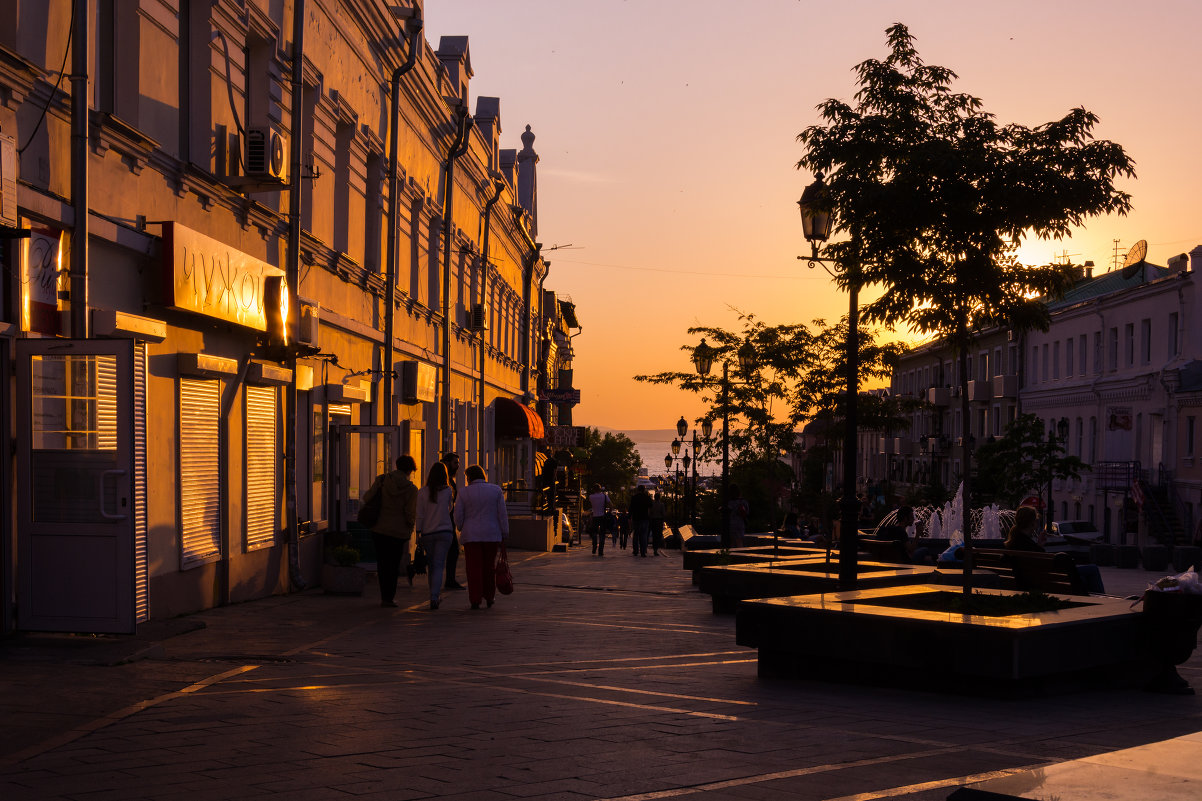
x,y
947,522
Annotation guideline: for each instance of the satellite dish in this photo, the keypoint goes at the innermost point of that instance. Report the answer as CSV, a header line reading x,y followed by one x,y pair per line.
x,y
1135,258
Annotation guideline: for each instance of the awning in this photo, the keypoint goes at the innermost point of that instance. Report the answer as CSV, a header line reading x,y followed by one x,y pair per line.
x,y
517,421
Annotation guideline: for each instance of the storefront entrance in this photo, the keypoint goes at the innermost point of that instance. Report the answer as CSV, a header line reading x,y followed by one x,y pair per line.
x,y
361,454
78,486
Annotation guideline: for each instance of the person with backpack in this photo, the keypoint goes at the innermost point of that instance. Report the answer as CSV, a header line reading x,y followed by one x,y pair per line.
x,y
394,526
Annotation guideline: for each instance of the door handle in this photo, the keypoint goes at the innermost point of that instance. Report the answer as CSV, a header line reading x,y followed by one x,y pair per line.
x,y
100,494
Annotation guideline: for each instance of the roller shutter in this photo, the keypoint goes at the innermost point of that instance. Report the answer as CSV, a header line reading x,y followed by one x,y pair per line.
x,y
141,531
262,510
199,470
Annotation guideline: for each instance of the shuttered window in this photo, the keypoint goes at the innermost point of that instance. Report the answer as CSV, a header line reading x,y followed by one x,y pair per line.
x,y
199,470
262,510
141,531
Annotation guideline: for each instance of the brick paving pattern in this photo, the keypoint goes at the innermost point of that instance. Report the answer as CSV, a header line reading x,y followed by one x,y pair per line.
x,y
597,679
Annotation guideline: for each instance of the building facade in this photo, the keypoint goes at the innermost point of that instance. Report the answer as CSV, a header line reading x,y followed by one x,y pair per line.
x,y
252,252
1119,371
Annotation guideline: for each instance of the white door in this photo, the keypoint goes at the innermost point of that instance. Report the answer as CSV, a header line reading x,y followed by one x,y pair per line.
x,y
75,486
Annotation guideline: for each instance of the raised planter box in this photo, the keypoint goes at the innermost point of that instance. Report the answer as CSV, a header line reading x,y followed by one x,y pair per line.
x,y
531,534
695,560
728,584
871,636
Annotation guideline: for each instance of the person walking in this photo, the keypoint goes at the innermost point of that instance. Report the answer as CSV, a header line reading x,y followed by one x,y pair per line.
x,y
640,520
435,527
451,460
659,513
598,501
483,524
394,528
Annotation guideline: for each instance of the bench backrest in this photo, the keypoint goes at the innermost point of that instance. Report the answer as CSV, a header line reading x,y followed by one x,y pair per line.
x,y
884,550
1032,570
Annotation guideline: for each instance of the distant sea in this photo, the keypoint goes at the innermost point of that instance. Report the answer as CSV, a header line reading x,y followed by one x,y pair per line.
x,y
654,444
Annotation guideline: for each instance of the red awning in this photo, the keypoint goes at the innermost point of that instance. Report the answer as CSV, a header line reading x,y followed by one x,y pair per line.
x,y
517,421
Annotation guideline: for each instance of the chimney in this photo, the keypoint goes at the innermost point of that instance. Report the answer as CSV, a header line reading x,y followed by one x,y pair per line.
x,y
1178,264
1089,269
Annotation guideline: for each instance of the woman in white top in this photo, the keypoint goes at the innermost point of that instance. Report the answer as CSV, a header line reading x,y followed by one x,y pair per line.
x,y
483,524
434,526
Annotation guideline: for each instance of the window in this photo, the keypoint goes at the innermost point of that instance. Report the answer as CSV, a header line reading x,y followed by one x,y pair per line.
x,y
1068,358
1173,334
1129,344
1114,349
1080,436
1093,440
1043,372
1034,371
1082,356
1190,430
1145,341
1056,359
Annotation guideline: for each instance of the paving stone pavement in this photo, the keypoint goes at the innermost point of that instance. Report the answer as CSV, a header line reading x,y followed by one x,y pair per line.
x,y
599,678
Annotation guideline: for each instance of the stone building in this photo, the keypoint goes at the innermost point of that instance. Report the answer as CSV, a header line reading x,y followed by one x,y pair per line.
x,y
1119,371
252,251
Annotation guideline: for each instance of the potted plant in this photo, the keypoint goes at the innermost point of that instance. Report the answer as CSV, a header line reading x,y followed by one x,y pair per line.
x,y
341,574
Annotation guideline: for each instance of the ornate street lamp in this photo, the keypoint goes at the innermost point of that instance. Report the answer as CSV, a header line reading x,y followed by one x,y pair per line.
x,y
703,360
817,218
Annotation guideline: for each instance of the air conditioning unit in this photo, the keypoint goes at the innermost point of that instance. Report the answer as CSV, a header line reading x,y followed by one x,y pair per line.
x,y
8,181
477,318
266,153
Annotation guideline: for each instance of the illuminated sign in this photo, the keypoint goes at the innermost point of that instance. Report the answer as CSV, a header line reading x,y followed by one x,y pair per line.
x,y
205,276
43,273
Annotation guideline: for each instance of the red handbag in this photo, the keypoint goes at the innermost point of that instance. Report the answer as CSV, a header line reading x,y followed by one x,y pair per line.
x,y
504,577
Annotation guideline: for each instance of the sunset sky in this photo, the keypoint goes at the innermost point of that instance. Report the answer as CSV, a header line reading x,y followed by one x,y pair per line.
x,y
666,134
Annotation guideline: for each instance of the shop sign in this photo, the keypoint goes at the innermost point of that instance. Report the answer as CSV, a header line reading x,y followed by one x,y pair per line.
x,y
43,272
205,276
1118,418
562,396
564,436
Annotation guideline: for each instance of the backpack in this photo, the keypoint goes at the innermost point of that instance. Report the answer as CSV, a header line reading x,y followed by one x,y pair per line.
x,y
369,512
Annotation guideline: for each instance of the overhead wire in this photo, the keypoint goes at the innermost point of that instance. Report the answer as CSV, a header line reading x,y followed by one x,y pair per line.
x,y
62,71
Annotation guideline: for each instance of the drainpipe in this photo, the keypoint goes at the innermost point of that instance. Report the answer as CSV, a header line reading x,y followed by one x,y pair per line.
x,y
414,28
527,277
292,271
498,188
457,149
79,172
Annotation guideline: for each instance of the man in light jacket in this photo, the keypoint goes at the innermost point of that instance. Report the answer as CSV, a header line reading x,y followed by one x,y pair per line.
x,y
483,524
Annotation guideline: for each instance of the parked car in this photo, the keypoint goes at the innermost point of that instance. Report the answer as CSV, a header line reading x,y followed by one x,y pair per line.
x,y
1077,532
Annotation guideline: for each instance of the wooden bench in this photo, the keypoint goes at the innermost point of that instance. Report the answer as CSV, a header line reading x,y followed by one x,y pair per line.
x,y
1032,571
891,551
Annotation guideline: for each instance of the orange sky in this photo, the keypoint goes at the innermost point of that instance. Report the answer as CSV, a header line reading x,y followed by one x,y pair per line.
x,y
666,140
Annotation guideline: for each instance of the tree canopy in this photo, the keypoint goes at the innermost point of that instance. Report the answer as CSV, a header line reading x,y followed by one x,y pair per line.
x,y
931,197
612,458
1021,462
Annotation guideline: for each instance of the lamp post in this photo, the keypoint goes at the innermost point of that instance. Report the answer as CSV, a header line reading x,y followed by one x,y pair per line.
x,y
1062,430
703,360
816,218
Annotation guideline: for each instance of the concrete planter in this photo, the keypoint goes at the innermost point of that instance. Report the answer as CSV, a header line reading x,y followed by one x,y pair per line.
x,y
1102,554
1186,557
1126,556
1156,557
728,584
870,636
342,580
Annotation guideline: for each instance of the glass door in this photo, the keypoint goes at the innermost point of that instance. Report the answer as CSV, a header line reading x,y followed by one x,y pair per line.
x,y
75,481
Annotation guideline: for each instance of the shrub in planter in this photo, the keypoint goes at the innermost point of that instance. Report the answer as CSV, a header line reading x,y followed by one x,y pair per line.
x,y
341,575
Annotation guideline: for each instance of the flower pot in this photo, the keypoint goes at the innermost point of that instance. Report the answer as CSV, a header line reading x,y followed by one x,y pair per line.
x,y
340,580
